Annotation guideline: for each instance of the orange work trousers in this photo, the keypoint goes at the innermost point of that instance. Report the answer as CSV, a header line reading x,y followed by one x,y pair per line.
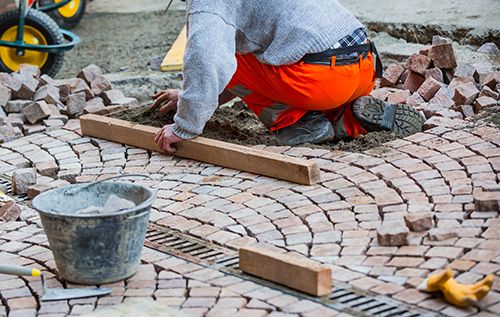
x,y
281,95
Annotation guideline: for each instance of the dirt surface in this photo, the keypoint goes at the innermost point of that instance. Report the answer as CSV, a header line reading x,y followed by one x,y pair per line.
x,y
123,42
236,124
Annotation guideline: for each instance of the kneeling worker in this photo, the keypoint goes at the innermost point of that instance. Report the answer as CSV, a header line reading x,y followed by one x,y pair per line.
x,y
305,68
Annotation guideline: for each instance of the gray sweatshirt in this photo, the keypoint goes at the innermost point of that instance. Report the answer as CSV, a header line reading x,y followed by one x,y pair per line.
x,y
277,32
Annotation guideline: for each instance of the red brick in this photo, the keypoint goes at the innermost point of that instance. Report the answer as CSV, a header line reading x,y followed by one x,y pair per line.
x,y
435,73
418,63
465,94
484,102
391,75
443,56
429,88
398,97
413,81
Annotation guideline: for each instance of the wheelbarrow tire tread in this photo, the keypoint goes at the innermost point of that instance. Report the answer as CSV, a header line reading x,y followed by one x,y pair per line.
x,y
63,22
44,24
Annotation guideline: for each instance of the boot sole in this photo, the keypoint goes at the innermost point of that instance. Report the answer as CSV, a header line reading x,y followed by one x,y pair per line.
x,y
378,115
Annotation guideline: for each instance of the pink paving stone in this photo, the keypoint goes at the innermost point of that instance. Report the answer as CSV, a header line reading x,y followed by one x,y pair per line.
x,y
387,289
366,283
199,302
480,255
434,263
435,304
411,296
229,302
458,312
405,262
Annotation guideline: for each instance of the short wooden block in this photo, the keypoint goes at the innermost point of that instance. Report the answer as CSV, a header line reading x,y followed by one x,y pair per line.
x,y
301,274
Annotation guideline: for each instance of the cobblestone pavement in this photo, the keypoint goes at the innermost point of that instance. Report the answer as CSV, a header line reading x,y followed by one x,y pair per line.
x,y
452,172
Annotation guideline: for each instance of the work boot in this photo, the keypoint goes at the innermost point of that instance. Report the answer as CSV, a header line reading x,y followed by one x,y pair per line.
x,y
377,115
313,127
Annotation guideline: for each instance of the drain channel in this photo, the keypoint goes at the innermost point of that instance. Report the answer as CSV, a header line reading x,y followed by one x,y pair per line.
x,y
343,297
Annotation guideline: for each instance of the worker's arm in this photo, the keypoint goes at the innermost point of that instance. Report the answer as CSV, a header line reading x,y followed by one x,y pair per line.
x,y
209,65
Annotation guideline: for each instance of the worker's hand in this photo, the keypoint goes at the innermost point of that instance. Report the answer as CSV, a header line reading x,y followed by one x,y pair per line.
x,y
165,138
166,100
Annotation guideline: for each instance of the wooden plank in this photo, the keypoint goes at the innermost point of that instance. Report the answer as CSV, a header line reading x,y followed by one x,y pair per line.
x,y
173,61
297,272
205,150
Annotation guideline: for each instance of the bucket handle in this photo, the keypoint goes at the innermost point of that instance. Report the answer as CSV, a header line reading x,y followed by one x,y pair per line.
x,y
73,191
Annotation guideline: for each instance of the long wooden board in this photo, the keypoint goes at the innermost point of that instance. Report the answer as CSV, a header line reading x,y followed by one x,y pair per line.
x,y
301,274
173,61
205,150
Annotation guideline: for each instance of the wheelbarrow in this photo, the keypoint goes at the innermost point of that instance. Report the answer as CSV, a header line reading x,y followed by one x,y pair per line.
x,y
66,13
29,36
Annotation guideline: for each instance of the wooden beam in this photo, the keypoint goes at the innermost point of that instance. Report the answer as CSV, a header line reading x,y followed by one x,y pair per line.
x,y
205,150
299,273
173,61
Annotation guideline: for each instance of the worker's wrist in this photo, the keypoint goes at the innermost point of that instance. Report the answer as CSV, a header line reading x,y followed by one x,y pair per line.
x,y
182,133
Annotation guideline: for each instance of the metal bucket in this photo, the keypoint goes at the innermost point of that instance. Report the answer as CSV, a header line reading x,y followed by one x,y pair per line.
x,y
95,249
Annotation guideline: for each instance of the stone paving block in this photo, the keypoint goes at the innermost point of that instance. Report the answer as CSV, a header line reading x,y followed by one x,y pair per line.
x,y
391,75
418,63
443,56
392,233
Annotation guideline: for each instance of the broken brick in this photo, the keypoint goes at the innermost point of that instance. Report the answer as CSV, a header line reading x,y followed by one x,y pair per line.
x,y
398,97
5,96
22,179
90,73
418,222
391,75
9,210
489,48
48,93
100,85
492,80
484,102
17,106
27,89
441,98
111,97
435,73
392,233
46,80
94,105
466,110
79,85
487,201
429,88
415,100
76,103
481,71
443,56
437,39
37,111
29,70
418,63
465,70
465,94
488,92
413,81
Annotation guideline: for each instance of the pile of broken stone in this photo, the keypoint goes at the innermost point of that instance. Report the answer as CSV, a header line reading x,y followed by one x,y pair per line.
x,y
32,103
434,82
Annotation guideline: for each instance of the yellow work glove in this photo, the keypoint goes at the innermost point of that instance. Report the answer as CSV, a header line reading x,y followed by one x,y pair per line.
x,y
455,293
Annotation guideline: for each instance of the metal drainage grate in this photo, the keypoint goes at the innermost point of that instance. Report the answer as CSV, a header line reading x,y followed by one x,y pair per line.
x,y
343,297
4,181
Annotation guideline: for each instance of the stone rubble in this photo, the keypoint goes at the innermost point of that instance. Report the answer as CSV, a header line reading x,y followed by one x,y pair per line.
x,y
438,85
32,103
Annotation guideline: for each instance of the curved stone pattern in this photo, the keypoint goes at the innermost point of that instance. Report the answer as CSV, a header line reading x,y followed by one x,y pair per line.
x,y
449,176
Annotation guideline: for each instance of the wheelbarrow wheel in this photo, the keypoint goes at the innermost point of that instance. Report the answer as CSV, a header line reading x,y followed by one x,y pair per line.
x,y
39,29
68,16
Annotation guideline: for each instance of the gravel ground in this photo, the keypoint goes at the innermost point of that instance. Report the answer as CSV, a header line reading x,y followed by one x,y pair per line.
x,y
123,42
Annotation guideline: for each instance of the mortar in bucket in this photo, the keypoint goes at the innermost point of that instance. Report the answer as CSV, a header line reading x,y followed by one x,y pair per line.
x,y
91,244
